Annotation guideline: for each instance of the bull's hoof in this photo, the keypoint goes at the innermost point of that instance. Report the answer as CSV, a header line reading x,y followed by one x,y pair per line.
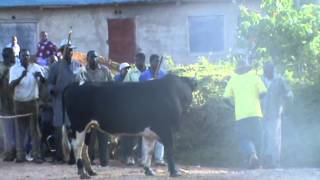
x,y
92,173
175,174
149,172
84,176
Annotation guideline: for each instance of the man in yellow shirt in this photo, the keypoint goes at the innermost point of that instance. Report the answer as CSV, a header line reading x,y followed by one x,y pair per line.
x,y
246,89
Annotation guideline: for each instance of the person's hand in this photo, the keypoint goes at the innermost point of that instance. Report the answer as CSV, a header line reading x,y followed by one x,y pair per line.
x,y
53,91
24,73
37,74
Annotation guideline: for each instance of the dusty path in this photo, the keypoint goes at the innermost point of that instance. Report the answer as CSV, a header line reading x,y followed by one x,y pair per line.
x,y
116,171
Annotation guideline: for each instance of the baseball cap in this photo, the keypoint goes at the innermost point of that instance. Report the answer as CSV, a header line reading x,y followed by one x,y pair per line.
x,y
124,65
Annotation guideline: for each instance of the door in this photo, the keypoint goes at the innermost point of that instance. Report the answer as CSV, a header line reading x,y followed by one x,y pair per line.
x,y
122,44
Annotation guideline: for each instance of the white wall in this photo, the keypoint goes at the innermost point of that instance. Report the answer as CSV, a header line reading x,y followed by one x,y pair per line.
x,y
161,29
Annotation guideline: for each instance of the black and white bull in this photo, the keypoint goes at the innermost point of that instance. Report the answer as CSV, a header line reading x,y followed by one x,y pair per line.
x,y
149,109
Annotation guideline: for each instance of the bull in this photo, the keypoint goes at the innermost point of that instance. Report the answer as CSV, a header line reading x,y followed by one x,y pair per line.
x,y
149,109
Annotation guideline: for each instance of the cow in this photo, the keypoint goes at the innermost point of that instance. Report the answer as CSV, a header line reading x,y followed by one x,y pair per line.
x,y
151,109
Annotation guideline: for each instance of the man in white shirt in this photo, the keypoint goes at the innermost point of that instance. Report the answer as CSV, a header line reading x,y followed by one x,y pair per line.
x,y
14,45
23,78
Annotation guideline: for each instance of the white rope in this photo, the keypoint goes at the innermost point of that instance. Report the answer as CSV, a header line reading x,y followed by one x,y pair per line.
x,y
16,116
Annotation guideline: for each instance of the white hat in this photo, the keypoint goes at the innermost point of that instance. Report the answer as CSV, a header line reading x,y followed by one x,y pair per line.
x,y
123,65
65,42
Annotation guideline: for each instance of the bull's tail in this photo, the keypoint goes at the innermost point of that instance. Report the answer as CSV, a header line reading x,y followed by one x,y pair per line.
x,y
66,146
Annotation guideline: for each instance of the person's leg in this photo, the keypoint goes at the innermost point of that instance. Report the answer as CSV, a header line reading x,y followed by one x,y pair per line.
x,y
21,125
243,131
255,139
159,153
126,149
92,145
103,149
35,132
58,156
9,139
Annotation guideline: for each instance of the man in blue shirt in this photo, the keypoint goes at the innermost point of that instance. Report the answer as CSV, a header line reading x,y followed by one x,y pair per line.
x,y
150,73
123,71
146,76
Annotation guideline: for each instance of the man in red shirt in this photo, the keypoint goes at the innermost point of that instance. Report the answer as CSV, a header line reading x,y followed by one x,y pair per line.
x,y
45,49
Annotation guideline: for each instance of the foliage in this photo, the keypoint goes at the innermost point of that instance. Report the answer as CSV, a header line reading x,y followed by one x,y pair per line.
x,y
211,78
288,36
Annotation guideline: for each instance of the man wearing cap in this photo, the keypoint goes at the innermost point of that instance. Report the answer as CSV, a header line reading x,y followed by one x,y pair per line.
x,y
61,74
45,49
147,75
123,68
246,89
23,78
96,72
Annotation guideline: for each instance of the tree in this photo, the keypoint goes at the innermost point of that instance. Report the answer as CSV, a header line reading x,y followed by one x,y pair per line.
x,y
289,36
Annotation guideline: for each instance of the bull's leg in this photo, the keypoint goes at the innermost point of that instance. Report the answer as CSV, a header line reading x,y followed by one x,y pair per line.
x,y
78,146
168,146
85,155
148,145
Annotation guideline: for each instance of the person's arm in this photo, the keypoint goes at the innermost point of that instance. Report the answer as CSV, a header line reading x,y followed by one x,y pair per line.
x,y
40,76
52,78
262,90
17,81
228,94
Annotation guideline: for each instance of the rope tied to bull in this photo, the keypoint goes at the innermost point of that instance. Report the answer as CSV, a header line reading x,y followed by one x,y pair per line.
x,y
16,116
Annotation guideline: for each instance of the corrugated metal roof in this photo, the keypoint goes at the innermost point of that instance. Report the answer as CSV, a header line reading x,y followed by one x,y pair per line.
x,y
40,3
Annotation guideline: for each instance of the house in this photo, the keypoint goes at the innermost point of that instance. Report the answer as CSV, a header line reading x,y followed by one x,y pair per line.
x,y
183,29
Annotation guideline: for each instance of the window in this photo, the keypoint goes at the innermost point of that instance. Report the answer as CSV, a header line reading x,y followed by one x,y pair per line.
x,y
206,34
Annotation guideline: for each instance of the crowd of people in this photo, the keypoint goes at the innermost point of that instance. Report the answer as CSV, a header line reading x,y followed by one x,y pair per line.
x,y
31,91
31,99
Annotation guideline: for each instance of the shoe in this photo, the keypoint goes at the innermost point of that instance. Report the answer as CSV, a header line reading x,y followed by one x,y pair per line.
x,y
9,156
160,163
253,162
38,160
21,159
104,163
130,161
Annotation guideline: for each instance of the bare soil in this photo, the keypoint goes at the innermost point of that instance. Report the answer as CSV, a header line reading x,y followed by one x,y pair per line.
x,y
10,170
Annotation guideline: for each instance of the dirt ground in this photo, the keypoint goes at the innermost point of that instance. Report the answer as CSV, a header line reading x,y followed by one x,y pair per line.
x,y
9,170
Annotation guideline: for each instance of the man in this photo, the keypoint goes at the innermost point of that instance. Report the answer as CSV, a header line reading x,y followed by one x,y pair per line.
x,y
61,74
273,103
140,66
246,88
6,104
24,79
126,143
150,74
45,49
134,74
97,73
14,45
147,75
123,71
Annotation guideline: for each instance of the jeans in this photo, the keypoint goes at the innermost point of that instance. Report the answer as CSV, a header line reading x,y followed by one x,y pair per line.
x,y
9,134
103,146
27,125
249,133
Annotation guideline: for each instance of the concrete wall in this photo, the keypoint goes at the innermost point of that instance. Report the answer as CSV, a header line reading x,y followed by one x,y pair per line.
x,y
161,28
